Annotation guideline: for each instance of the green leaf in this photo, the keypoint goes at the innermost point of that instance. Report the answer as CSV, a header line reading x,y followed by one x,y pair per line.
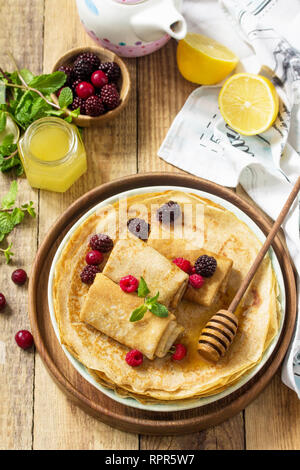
x,y
26,75
6,223
17,216
8,253
30,209
48,83
8,164
159,310
7,142
138,313
143,289
10,198
152,300
2,93
2,121
65,97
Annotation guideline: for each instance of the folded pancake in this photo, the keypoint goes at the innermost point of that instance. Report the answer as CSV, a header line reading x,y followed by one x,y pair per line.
x,y
108,309
163,379
178,247
134,257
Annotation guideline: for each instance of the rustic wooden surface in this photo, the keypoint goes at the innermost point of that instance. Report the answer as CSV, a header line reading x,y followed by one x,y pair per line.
x,y
34,413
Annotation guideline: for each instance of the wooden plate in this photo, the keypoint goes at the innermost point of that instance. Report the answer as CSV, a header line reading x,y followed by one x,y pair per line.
x,y
91,399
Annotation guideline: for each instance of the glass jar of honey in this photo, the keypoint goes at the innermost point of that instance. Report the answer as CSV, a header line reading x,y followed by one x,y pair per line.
x,y
53,154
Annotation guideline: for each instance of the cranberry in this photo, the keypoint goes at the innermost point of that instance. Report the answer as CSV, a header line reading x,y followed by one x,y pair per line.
x,y
134,358
94,257
99,79
19,277
24,339
84,90
196,281
129,284
2,302
180,352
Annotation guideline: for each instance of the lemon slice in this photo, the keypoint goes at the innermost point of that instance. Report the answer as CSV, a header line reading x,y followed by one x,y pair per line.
x,y
248,103
203,60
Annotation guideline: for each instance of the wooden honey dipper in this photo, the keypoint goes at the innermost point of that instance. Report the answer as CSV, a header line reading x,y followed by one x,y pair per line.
x,y
219,333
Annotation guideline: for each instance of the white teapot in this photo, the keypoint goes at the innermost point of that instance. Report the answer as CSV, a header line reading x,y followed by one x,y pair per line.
x,y
132,28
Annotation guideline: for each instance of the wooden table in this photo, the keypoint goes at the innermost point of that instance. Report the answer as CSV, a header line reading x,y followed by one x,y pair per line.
x,y
34,413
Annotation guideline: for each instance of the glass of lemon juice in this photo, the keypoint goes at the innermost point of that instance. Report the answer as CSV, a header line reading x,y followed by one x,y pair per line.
x,y
53,154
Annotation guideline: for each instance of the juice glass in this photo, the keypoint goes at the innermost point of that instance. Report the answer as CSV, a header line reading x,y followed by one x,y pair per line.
x,y
53,154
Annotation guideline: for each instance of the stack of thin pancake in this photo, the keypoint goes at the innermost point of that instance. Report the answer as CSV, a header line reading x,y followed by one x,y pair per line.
x,y
94,321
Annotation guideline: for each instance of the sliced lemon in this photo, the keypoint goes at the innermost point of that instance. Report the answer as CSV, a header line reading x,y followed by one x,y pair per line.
x,y
248,103
203,60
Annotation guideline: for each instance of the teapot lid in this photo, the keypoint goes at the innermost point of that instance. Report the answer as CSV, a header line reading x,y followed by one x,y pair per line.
x,y
129,2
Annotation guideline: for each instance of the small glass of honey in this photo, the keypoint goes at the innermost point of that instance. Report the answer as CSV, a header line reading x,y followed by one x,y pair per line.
x,y
53,154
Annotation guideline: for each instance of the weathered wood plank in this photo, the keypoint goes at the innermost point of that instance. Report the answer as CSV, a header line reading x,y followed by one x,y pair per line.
x,y
21,26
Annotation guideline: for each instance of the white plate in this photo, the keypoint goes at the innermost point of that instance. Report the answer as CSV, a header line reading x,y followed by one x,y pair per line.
x,y
187,404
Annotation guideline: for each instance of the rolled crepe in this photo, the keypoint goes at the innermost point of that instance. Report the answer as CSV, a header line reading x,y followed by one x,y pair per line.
x,y
207,294
132,256
108,309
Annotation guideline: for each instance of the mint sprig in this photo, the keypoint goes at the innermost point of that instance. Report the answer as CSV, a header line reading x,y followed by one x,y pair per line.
x,y
12,215
150,303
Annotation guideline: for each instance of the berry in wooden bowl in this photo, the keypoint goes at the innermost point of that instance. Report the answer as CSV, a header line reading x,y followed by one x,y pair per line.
x,y
99,81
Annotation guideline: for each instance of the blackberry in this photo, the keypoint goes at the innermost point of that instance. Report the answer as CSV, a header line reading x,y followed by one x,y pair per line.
x,y
68,70
75,83
168,212
88,274
110,96
101,242
112,70
139,228
85,65
94,106
78,103
206,265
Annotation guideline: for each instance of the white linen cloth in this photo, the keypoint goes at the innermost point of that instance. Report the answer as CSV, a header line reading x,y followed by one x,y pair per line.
x,y
264,34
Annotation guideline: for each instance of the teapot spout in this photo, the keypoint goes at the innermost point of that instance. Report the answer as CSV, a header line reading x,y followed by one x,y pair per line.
x,y
159,18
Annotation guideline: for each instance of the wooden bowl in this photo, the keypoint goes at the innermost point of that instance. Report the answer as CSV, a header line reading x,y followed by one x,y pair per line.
x,y
105,56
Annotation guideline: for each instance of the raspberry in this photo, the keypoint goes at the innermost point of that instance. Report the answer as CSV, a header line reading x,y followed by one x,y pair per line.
x,y
134,358
183,264
19,277
129,284
169,212
94,257
206,265
24,339
193,270
99,79
89,273
85,64
68,70
84,90
196,281
101,242
139,228
2,302
78,103
110,96
112,70
94,106
180,352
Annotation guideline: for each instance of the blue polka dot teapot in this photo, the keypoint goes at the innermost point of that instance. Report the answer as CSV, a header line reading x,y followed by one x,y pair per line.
x,y
132,28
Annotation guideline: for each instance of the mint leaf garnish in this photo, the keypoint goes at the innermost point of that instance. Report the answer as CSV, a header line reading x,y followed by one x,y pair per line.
x,y
10,198
48,83
143,289
65,97
159,310
138,313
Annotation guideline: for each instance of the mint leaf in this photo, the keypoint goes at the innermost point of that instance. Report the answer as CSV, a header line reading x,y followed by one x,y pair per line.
x,y
143,289
26,75
48,83
8,253
17,216
65,97
29,209
2,121
159,310
6,223
138,313
10,198
152,300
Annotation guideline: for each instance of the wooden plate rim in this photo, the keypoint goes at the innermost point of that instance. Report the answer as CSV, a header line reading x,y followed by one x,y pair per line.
x,y
173,424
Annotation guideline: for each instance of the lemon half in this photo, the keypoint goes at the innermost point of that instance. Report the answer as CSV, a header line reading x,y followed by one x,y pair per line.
x,y
248,103
203,60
